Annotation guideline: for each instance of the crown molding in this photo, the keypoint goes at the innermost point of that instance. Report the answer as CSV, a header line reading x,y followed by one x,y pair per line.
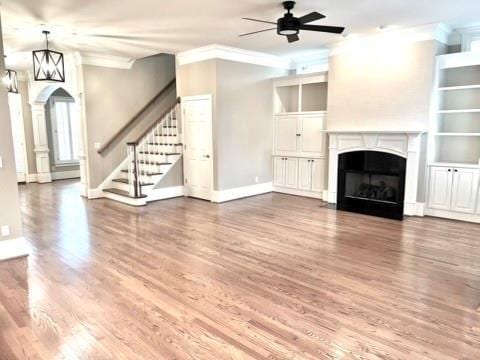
x,y
115,62
216,51
438,31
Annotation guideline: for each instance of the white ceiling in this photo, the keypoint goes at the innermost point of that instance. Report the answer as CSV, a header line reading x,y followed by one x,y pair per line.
x,y
139,28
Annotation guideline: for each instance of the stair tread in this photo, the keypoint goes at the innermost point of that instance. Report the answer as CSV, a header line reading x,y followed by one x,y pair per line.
x,y
125,181
159,153
122,193
165,135
154,162
177,144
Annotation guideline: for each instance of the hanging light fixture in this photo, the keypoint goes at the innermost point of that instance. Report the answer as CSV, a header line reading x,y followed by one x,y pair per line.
x,y
10,80
48,64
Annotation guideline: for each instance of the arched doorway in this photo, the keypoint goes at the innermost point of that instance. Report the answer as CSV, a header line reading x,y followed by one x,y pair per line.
x,y
46,155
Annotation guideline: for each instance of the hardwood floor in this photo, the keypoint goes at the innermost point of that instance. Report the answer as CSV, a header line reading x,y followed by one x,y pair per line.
x,y
267,277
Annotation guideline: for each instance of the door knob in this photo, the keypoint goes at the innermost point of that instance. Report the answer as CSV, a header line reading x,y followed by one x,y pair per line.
x,y
206,156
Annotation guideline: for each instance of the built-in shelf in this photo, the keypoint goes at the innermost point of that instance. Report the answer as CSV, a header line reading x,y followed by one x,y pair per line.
x,y
457,134
462,87
458,111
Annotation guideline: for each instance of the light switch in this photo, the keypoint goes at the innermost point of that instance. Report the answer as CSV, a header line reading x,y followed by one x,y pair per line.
x,y
5,230
1,162
97,145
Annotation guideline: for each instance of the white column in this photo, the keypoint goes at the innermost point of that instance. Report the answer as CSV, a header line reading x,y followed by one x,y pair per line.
x,y
41,143
411,177
332,169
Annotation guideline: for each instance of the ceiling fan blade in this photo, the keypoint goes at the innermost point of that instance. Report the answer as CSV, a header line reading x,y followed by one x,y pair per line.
x,y
322,28
292,38
262,21
311,17
256,32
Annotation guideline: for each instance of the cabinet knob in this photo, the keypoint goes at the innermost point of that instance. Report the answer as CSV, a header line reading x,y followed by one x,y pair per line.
x,y
456,170
449,170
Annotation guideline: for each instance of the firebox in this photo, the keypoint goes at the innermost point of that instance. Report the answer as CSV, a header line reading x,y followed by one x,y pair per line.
x,y
371,182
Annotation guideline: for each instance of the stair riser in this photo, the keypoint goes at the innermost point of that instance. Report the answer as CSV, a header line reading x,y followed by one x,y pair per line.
x,y
157,158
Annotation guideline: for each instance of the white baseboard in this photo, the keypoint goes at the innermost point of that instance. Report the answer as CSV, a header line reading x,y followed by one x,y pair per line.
x,y
310,194
165,193
43,178
61,175
453,215
13,248
125,199
95,193
241,192
31,178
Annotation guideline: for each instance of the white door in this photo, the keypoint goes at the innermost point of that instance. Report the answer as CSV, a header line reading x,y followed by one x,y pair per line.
x,y
464,193
18,133
279,171
312,139
305,174
286,135
197,120
291,171
318,175
440,188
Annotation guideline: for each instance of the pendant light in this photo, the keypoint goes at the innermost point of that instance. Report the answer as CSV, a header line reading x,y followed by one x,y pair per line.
x,y
48,64
10,81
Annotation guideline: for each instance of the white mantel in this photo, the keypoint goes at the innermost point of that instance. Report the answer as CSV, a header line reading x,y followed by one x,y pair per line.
x,y
404,143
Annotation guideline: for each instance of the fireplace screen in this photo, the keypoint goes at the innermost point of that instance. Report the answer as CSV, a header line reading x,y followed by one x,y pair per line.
x,y
371,182
371,186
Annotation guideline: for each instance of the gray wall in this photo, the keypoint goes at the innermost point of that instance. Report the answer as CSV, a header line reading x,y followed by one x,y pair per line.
x,y
48,117
242,117
244,125
112,97
9,202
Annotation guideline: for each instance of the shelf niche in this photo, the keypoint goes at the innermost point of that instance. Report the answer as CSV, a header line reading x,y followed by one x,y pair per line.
x,y
457,149
460,76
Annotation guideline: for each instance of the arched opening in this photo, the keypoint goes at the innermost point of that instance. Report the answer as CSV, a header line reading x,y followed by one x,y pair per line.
x,y
56,117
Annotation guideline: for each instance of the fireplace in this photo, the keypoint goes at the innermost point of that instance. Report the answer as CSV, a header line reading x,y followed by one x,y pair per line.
x,y
371,182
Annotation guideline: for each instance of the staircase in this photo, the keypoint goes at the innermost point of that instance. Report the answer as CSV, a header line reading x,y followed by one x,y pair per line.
x,y
148,161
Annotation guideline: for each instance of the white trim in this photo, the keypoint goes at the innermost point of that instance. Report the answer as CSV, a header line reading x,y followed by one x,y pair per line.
x,y
436,31
310,194
125,199
115,62
219,196
31,178
95,193
61,175
165,193
216,51
113,175
44,178
414,209
452,215
13,248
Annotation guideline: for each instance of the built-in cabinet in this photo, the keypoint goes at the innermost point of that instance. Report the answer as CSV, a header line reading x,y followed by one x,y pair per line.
x,y
454,139
299,146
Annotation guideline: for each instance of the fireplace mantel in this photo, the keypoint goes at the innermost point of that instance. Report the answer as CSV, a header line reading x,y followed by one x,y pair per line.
x,y
405,143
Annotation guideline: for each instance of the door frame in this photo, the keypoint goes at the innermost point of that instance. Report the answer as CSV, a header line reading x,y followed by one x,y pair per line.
x,y
209,98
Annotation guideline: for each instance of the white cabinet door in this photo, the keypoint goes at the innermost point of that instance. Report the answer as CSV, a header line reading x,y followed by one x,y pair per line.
x,y
440,188
312,139
318,175
286,130
279,171
305,174
465,183
291,170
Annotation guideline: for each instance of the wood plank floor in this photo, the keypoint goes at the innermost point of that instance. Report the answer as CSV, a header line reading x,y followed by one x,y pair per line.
x,y
267,277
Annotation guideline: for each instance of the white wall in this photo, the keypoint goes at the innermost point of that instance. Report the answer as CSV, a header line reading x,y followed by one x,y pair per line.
x,y
381,86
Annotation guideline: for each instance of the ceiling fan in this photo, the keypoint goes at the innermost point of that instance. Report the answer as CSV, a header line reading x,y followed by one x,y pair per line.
x,y
290,26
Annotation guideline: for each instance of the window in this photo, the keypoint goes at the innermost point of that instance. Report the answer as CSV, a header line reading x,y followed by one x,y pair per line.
x,y
475,45
65,128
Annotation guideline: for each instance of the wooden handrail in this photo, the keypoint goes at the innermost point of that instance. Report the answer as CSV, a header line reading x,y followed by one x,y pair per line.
x,y
135,117
170,108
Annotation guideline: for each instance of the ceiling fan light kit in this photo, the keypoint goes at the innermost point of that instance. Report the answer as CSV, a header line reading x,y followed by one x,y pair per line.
x,y
48,65
290,26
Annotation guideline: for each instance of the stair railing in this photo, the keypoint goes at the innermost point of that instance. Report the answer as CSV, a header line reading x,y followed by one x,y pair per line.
x,y
144,153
